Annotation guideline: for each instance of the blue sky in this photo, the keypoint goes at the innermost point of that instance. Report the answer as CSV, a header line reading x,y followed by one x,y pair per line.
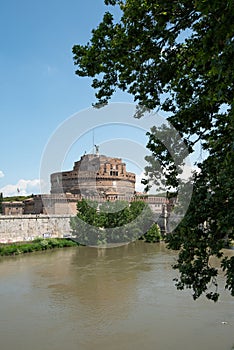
x,y
39,89
38,85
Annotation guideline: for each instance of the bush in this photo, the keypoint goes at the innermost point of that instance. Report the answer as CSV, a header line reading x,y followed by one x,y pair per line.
x,y
153,235
36,245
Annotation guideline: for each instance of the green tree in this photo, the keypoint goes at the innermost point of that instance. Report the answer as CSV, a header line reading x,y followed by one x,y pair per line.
x,y
85,225
110,222
153,235
113,214
177,55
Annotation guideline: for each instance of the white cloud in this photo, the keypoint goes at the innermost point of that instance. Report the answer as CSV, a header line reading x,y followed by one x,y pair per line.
x,y
139,187
21,188
1,174
188,171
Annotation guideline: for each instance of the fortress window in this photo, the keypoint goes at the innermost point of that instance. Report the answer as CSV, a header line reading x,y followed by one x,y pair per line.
x,y
114,173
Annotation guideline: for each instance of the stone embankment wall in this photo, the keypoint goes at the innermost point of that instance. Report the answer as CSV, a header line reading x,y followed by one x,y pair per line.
x,y
28,227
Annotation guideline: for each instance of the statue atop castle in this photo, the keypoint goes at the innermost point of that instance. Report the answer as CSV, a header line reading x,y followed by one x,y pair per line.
x,y
97,150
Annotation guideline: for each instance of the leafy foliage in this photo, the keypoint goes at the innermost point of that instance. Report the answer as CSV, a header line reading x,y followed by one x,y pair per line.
x,y
153,235
111,222
36,245
178,55
16,198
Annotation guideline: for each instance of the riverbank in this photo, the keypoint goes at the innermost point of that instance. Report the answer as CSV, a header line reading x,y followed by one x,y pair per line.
x,y
35,245
39,244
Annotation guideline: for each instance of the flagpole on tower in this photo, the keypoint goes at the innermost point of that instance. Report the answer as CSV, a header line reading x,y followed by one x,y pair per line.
x,y
93,141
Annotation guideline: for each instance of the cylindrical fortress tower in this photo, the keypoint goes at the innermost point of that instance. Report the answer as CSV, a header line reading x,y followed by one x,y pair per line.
x,y
95,175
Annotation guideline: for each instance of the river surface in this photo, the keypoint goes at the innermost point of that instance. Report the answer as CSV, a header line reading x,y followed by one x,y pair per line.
x,y
116,299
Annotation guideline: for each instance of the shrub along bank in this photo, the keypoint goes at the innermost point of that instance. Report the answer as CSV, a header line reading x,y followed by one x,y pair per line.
x,y
152,236
36,245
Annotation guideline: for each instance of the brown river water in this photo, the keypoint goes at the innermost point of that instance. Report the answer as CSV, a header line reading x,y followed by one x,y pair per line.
x,y
117,299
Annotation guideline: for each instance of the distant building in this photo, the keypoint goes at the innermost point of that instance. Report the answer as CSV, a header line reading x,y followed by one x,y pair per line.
x,y
13,208
95,175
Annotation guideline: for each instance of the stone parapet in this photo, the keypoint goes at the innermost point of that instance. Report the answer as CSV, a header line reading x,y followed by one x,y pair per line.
x,y
28,227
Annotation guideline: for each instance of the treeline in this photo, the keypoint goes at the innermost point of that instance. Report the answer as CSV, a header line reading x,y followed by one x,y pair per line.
x,y
16,198
114,222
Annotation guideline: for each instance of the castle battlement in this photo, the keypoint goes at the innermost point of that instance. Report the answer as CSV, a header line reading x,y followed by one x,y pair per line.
x,y
95,175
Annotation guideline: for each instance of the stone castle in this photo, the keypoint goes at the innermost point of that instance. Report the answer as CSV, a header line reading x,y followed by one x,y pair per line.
x,y
94,176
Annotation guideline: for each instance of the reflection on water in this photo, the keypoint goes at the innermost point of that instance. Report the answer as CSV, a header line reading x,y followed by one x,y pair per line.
x,y
120,298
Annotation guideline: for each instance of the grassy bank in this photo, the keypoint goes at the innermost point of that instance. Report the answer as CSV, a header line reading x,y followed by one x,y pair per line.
x,y
7,249
36,245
